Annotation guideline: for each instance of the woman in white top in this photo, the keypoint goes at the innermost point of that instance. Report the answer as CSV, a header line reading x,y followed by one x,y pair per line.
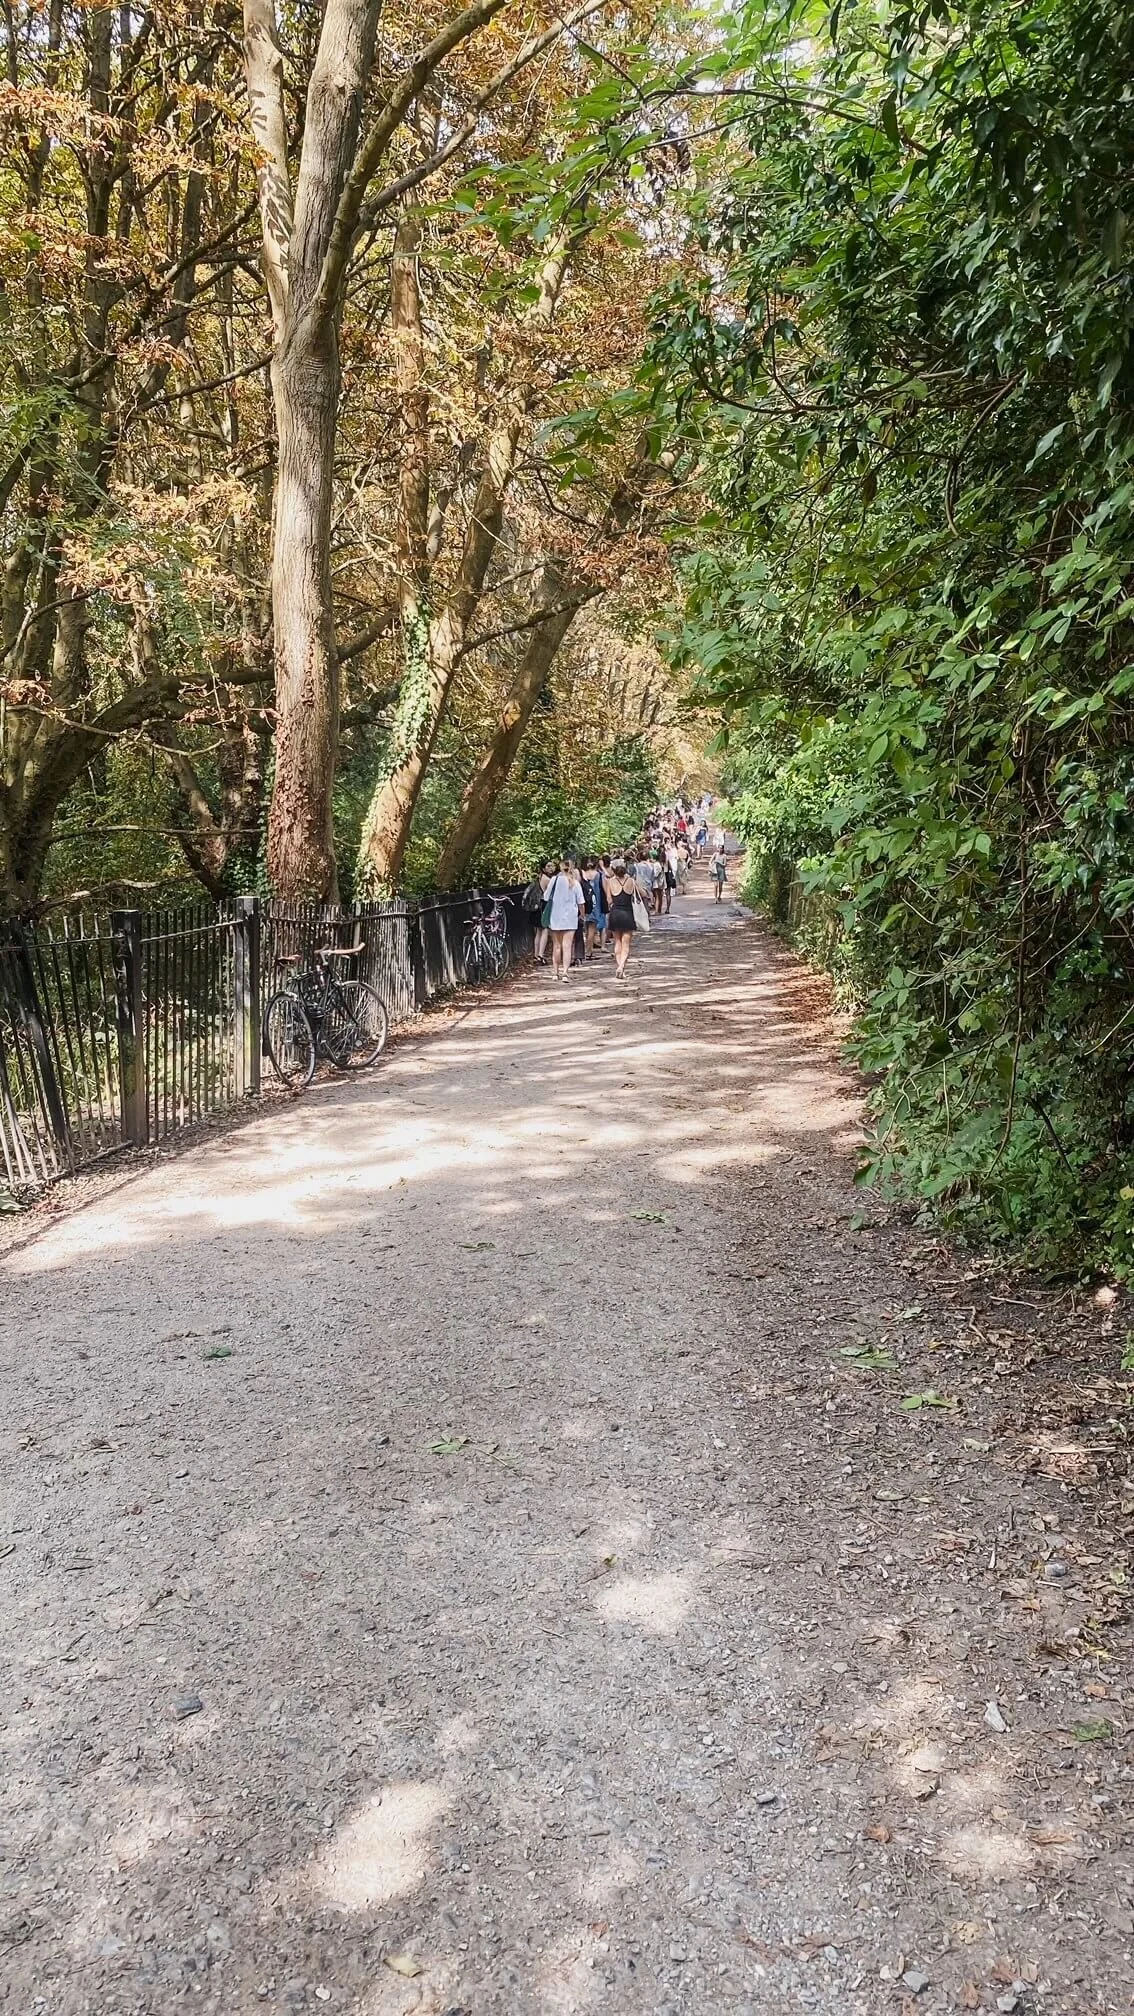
x,y
566,898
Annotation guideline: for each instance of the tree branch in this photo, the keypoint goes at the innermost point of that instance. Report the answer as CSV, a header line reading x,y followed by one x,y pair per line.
x,y
344,227
463,132
263,68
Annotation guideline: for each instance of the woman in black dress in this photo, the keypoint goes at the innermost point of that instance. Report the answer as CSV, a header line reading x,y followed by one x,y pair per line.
x,y
620,890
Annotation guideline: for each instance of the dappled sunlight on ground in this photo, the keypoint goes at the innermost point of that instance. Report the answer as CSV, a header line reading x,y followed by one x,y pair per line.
x,y
382,1851
658,1604
423,1546
322,1162
983,1853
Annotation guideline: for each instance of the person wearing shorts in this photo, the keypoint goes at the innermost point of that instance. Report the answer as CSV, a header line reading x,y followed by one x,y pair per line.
x,y
566,900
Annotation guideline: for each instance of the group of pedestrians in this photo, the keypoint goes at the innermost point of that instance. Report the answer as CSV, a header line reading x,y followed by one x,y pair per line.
x,y
586,907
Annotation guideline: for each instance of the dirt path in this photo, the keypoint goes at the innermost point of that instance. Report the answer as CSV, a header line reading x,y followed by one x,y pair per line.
x,y
533,1610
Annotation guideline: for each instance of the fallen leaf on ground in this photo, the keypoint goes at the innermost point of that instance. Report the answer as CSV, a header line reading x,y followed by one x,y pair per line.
x,y
448,1445
877,1833
869,1357
403,1963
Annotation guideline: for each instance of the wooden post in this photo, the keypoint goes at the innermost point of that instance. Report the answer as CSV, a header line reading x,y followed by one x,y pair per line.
x,y
126,929
246,990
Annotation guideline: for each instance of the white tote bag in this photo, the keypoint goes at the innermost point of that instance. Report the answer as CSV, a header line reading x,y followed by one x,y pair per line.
x,y
641,914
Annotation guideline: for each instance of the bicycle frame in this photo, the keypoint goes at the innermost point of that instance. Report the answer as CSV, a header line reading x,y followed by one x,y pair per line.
x,y
316,988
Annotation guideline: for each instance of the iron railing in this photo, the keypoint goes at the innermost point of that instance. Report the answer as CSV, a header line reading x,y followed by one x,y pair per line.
x,y
60,1092
120,1030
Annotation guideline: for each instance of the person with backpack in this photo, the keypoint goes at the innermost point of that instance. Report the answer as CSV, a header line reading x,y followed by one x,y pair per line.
x,y
671,883
579,948
594,907
604,873
534,900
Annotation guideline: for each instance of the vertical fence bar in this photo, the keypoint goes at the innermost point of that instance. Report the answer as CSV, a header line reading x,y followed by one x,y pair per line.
x,y
31,1017
417,956
246,952
126,928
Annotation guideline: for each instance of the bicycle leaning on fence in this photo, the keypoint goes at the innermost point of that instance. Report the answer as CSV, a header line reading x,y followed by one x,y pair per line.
x,y
322,1011
487,951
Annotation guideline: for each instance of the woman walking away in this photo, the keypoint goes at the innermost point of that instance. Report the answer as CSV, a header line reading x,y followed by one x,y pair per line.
x,y
565,897
604,899
621,888
532,902
595,923
543,935
718,872
672,858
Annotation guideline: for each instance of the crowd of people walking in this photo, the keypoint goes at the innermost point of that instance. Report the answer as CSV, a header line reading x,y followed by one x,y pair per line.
x,y
589,906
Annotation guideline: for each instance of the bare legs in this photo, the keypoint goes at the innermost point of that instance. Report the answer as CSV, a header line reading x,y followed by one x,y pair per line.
x,y
561,944
622,941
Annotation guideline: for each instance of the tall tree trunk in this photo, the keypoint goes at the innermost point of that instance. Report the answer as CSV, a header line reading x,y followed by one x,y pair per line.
x,y
491,773
306,255
301,846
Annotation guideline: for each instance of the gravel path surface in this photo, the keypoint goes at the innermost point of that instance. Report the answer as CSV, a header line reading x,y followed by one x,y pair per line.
x,y
451,1562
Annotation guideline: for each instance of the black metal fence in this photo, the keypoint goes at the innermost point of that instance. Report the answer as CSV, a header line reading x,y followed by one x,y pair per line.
x,y
119,1030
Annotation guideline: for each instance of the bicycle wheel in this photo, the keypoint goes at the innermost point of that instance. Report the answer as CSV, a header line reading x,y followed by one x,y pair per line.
x,y
289,1040
474,958
356,1026
495,956
503,955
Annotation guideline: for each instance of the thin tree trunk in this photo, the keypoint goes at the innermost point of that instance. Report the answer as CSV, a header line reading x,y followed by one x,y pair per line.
x,y
491,773
434,652
301,846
